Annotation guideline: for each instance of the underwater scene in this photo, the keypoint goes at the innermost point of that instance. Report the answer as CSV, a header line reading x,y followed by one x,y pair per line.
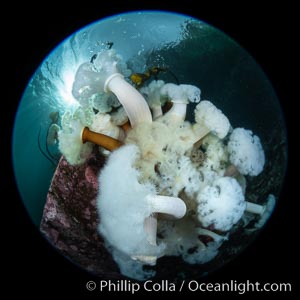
x,y
153,146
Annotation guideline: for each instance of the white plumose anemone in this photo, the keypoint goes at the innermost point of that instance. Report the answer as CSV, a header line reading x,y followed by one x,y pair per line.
x,y
211,119
124,204
246,152
222,204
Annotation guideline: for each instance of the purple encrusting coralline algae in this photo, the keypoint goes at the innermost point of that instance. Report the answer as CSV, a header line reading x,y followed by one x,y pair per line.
x,y
70,217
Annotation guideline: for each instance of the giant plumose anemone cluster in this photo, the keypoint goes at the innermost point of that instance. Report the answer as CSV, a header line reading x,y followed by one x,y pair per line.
x,y
172,181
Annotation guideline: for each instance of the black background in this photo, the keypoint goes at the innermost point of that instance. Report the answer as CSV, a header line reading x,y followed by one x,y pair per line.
x,y
269,35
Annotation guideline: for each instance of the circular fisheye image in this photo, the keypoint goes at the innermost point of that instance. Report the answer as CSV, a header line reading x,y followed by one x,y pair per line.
x,y
149,145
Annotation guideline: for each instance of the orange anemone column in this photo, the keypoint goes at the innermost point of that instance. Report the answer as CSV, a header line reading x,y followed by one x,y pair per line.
x,y
100,139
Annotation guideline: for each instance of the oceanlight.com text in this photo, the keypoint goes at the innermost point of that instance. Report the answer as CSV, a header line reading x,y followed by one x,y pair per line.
x,y
185,285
